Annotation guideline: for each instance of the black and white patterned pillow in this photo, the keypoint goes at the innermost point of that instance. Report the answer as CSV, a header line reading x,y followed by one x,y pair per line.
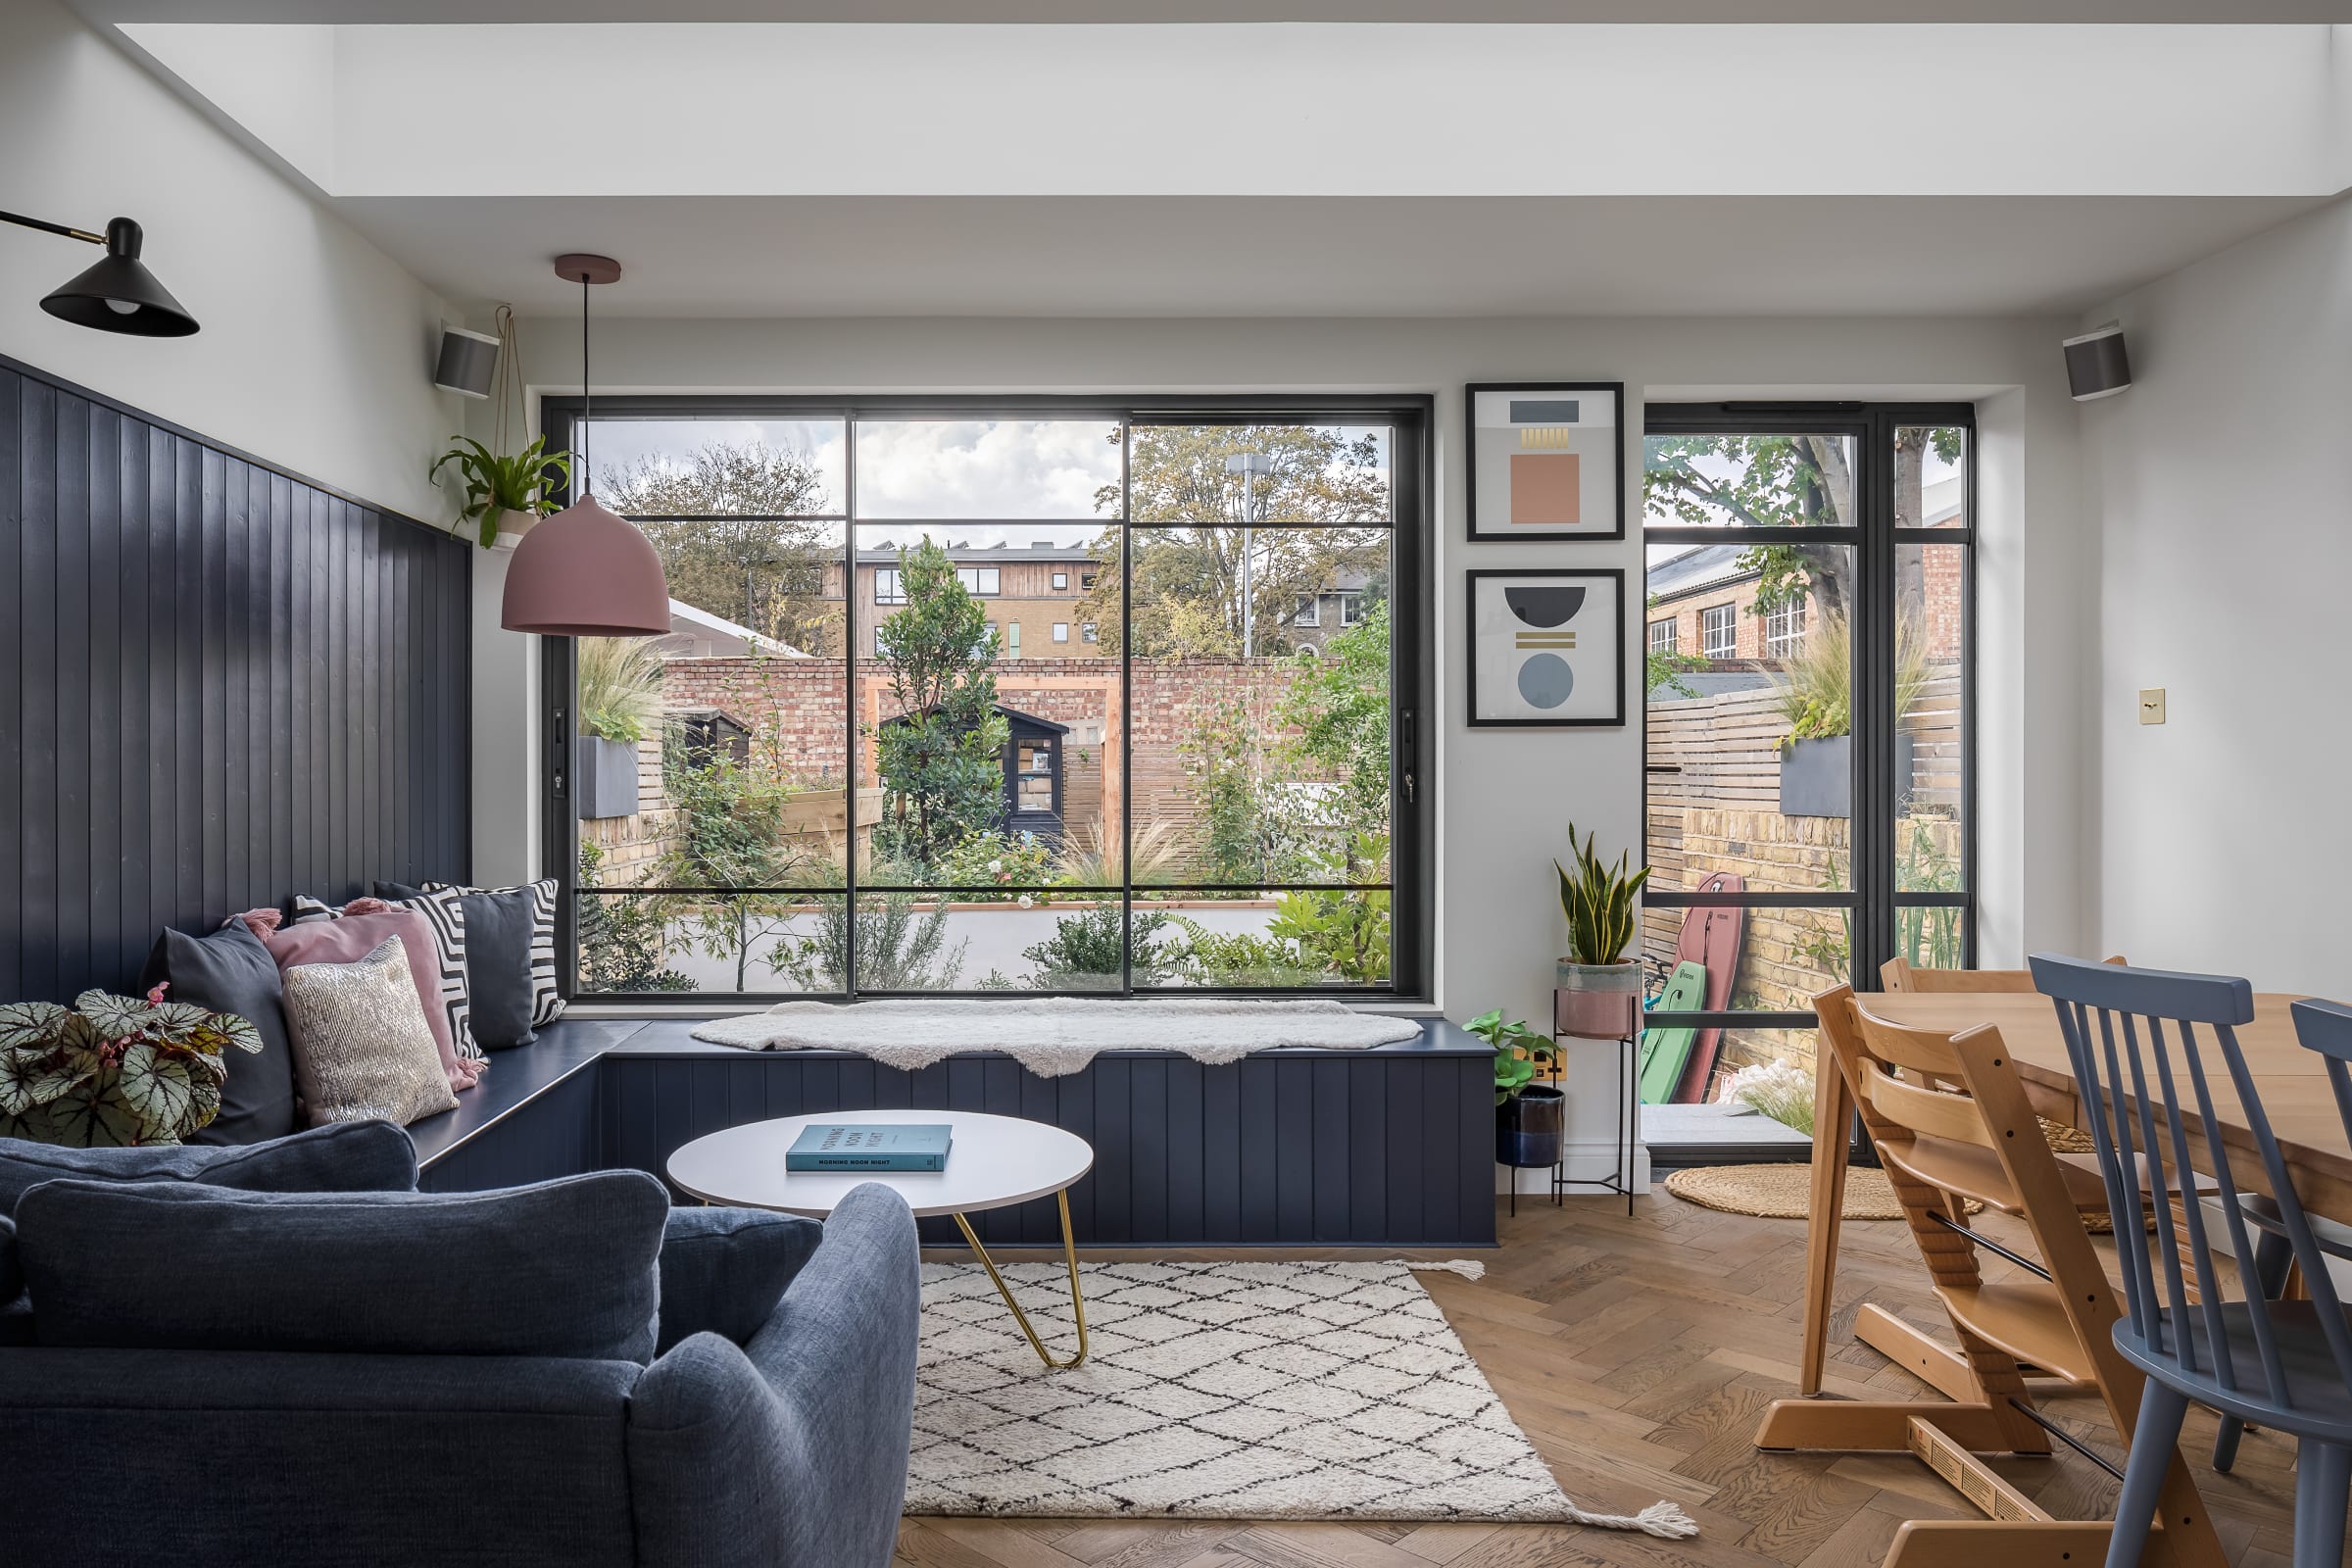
x,y
445,916
547,1002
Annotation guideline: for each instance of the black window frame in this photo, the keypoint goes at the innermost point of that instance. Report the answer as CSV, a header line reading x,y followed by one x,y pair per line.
x,y
1874,901
1413,520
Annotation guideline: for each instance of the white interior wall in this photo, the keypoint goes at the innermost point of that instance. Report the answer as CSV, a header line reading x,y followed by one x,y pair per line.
x,y
1506,797
2223,527
316,349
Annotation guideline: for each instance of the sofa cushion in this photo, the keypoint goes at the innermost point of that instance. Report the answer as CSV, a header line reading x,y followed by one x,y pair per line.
x,y
566,1269
539,957
350,937
362,1049
228,970
724,1269
353,1156
500,926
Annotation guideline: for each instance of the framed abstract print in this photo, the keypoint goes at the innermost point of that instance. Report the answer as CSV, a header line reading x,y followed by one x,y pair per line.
x,y
1547,648
1547,460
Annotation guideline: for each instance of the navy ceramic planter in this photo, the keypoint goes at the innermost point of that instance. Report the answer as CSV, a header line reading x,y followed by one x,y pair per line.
x,y
1527,1128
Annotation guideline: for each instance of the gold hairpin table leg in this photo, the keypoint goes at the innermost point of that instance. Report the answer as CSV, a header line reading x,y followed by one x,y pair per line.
x,y
1070,1251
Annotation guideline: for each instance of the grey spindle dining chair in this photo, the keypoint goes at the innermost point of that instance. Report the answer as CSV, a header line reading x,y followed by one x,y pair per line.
x,y
2148,1046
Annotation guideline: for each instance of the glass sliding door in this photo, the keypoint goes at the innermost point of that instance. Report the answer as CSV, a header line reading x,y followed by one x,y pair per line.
x,y
1808,730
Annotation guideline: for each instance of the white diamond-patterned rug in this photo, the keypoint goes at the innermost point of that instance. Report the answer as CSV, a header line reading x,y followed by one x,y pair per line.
x,y
1219,1390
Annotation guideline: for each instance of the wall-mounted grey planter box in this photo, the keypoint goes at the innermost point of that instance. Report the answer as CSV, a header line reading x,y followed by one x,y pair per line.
x,y
604,779
1817,777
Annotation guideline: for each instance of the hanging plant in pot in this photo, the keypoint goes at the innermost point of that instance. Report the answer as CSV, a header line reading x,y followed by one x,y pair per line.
x,y
1527,1113
505,496
1599,987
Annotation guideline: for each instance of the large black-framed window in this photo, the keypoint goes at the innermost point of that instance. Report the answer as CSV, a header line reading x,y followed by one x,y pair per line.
x,y
1809,783
1105,771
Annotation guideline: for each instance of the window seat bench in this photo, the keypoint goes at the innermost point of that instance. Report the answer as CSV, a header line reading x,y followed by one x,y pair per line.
x,y
1388,1147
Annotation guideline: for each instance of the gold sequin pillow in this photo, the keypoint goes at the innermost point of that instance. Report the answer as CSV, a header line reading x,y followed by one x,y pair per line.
x,y
362,1046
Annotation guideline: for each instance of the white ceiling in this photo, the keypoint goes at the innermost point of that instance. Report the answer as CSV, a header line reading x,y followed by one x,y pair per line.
x,y
1214,170
1317,256
2240,12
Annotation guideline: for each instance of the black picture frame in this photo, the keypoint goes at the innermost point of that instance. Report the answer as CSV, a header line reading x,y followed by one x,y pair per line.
x,y
1613,577
1477,535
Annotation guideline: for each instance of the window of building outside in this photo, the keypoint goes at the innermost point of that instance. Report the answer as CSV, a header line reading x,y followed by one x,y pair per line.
x,y
1307,612
1810,811
910,804
1661,636
1719,631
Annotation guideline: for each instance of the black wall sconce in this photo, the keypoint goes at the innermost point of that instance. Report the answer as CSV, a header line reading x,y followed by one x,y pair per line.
x,y
119,294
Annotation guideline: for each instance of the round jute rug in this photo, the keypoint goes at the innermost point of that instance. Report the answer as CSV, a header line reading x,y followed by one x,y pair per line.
x,y
1785,1191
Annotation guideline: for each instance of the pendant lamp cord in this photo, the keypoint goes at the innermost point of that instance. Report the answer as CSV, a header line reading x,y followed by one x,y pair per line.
x,y
587,391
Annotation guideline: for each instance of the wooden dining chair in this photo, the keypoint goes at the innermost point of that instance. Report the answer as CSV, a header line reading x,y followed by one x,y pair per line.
x,y
1899,975
1949,1118
2150,1050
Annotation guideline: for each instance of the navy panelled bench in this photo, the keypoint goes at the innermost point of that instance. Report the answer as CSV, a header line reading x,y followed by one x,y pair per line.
x,y
1390,1146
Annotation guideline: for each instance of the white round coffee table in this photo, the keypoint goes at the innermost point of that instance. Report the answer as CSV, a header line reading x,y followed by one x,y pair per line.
x,y
992,1163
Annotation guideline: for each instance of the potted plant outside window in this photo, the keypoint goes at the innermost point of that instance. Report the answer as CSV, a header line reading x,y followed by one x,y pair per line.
x,y
503,496
620,702
1527,1113
1817,754
1599,987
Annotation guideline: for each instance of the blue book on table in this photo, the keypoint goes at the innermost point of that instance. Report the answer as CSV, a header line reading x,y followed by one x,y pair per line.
x,y
870,1145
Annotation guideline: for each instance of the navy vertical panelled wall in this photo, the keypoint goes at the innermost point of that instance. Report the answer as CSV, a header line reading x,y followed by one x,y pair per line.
x,y
224,686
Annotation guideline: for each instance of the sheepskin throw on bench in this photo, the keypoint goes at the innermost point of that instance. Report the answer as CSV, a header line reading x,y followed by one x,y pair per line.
x,y
1054,1035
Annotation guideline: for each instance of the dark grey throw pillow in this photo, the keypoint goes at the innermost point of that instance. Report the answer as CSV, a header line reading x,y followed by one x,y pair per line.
x,y
228,970
501,988
353,1156
561,1269
724,1269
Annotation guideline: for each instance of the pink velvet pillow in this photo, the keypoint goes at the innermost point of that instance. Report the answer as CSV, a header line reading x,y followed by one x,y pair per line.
x,y
351,938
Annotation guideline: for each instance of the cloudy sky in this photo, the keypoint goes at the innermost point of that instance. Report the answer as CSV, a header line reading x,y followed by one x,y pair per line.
x,y
1046,469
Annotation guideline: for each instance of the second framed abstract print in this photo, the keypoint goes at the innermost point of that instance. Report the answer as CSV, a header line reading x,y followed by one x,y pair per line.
x,y
1547,460
1547,648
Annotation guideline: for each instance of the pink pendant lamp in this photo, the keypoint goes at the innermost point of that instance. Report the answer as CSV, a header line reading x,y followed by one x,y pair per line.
x,y
585,572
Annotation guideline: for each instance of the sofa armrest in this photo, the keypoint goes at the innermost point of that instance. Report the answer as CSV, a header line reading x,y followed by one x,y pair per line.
x,y
790,1453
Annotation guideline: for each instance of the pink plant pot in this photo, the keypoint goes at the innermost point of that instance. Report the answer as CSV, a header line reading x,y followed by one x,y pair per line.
x,y
1597,1001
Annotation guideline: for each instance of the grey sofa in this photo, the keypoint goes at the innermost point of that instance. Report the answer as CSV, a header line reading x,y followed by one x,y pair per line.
x,y
400,1378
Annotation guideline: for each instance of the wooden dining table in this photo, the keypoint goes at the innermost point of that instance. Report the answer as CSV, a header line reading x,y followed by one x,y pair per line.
x,y
2290,1081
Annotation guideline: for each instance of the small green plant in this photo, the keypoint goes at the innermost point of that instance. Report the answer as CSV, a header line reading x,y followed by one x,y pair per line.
x,y
113,1072
1083,952
1599,902
621,936
1817,696
900,947
496,484
993,858
1093,861
1520,1052
1780,1088
1202,956
621,688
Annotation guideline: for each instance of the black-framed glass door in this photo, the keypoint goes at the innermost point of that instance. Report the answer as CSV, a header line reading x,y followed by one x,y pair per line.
x,y
1807,724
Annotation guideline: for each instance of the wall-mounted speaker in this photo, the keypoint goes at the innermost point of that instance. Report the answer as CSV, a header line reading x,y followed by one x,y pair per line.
x,y
2096,365
468,361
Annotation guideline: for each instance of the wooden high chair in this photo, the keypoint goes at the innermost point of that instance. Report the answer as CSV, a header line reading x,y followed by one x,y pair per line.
x,y
1949,1118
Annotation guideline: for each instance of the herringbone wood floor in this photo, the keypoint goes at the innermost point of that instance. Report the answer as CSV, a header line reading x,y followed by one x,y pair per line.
x,y
1637,1355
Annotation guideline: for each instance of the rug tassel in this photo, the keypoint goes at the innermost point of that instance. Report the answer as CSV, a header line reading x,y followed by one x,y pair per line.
x,y
1658,1519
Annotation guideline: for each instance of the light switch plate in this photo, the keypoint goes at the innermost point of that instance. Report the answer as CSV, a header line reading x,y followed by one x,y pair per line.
x,y
2151,706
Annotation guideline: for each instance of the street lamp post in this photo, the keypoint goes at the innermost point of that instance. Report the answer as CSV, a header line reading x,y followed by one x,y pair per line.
x,y
1251,466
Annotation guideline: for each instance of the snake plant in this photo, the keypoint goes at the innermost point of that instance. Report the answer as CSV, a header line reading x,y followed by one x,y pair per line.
x,y
1599,902
113,1072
